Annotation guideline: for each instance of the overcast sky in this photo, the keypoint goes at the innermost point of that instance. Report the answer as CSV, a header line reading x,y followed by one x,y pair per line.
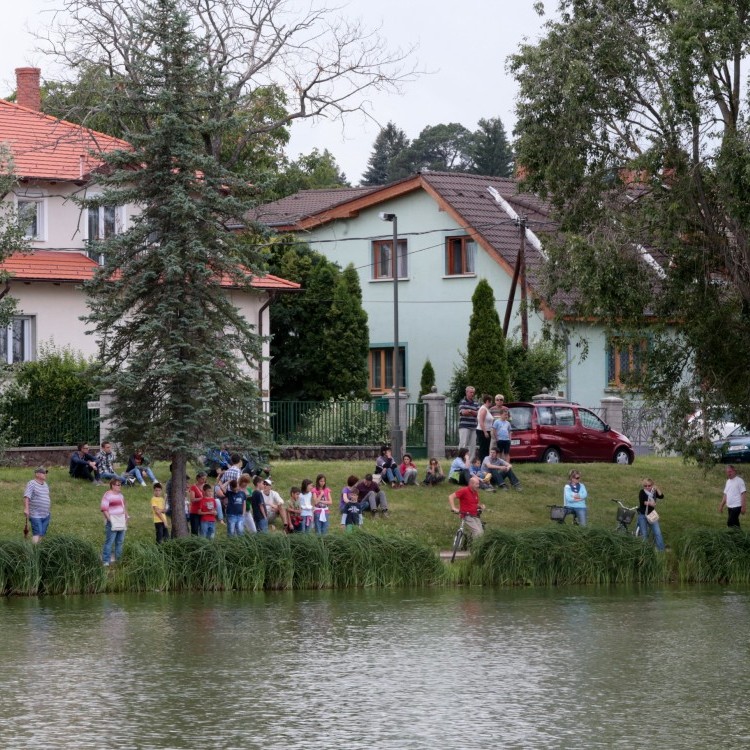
x,y
464,44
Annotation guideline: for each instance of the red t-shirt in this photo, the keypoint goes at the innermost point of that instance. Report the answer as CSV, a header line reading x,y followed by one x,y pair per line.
x,y
207,509
195,503
468,500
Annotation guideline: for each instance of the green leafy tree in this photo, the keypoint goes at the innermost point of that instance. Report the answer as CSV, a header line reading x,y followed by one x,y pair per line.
x,y
490,150
390,142
540,366
630,119
442,148
311,171
319,337
173,347
486,359
48,395
347,338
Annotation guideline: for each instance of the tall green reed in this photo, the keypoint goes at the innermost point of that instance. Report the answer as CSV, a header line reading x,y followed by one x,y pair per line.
x,y
714,555
68,565
19,568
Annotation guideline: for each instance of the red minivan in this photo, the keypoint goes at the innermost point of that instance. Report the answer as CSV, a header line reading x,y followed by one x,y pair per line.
x,y
557,431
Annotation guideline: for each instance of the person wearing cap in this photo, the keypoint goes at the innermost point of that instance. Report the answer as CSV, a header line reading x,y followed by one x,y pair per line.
x,y
274,504
37,504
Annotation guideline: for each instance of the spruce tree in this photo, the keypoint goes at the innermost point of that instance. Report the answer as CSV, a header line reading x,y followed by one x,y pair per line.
x,y
490,149
487,362
390,142
174,349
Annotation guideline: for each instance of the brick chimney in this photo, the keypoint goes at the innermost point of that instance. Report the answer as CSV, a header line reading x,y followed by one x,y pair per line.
x,y
27,88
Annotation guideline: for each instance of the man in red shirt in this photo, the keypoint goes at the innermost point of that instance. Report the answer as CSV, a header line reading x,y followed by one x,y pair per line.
x,y
469,506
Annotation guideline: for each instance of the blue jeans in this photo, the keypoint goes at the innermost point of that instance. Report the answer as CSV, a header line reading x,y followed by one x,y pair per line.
x,y
139,471
306,524
235,525
262,525
579,513
111,475
644,526
394,475
208,529
321,527
110,537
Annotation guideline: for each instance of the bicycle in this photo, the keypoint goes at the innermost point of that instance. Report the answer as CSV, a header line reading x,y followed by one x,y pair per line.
x,y
459,538
625,517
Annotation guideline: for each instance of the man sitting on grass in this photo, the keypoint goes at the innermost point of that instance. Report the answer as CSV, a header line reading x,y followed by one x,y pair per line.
x,y
500,470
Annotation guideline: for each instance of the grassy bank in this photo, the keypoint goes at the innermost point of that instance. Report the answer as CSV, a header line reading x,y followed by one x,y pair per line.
x,y
522,547
692,498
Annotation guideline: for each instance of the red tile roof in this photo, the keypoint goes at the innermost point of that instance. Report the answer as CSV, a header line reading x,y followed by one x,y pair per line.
x,y
62,266
46,148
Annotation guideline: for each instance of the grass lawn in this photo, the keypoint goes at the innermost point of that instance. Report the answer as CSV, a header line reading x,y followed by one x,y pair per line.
x,y
691,499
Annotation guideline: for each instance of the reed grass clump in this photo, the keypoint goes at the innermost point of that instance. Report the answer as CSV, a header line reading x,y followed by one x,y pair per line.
x,y
714,555
19,568
194,564
362,559
562,556
143,567
68,565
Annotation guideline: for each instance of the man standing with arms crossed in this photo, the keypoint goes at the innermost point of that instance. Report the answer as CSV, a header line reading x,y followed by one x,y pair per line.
x,y
467,422
734,497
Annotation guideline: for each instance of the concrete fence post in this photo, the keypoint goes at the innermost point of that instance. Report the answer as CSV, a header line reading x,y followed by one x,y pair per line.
x,y
613,412
434,408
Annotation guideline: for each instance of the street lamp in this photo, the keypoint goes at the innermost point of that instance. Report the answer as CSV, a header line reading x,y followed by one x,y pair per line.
x,y
397,441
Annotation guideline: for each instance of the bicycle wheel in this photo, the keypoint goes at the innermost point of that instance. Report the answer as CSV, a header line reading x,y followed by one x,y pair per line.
x,y
457,542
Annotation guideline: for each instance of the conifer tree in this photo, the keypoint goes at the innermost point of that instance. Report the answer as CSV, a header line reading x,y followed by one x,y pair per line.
x,y
490,150
486,359
427,380
174,349
390,142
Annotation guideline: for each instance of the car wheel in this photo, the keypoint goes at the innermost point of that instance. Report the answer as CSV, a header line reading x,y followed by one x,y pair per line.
x,y
621,456
551,456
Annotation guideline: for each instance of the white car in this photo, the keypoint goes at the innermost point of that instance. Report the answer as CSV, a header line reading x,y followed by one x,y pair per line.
x,y
719,428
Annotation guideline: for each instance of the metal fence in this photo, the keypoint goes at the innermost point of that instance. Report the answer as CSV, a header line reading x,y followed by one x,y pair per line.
x,y
51,423
328,422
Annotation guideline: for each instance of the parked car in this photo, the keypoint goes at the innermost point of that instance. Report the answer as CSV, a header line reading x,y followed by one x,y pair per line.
x,y
721,424
735,447
557,431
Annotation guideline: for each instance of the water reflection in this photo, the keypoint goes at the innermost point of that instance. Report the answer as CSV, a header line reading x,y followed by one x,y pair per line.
x,y
372,669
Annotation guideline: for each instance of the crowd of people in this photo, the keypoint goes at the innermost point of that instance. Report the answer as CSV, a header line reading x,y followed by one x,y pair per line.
x,y
248,503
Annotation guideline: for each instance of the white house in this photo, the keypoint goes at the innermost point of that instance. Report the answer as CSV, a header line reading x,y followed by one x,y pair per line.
x,y
453,229
55,162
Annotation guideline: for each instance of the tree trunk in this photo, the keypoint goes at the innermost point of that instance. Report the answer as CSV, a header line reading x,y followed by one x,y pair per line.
x,y
177,495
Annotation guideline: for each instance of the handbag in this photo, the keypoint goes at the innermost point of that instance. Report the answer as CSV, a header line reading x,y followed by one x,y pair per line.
x,y
118,522
652,517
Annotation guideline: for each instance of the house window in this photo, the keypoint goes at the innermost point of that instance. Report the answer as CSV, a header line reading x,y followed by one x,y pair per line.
x,y
382,259
460,253
16,342
381,369
31,217
103,222
626,362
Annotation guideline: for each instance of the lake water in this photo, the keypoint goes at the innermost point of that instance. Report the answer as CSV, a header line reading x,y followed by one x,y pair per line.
x,y
460,668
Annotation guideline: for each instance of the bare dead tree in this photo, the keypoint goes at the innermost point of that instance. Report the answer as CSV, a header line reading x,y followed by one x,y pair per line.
x,y
320,63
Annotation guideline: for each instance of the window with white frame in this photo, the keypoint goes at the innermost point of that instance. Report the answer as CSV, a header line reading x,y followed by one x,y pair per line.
x,y
16,341
30,211
103,222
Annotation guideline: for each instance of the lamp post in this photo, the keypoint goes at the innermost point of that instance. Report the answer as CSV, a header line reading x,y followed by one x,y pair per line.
x,y
397,438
